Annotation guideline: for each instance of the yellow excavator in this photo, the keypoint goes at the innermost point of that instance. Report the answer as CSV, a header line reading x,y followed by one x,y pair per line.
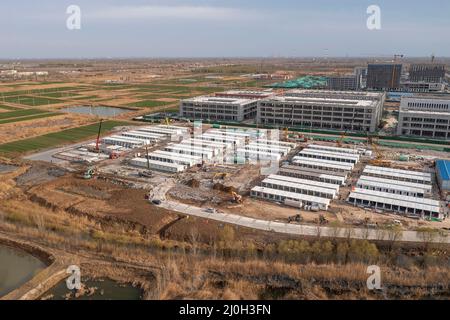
x,y
220,175
378,161
236,197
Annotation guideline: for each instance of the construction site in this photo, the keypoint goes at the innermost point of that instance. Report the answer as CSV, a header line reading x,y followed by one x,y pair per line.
x,y
260,173
219,171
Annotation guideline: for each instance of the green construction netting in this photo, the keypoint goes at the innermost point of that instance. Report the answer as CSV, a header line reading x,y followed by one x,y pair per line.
x,y
306,82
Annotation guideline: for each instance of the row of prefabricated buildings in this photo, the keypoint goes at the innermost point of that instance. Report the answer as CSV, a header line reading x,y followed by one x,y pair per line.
x,y
313,178
420,115
183,149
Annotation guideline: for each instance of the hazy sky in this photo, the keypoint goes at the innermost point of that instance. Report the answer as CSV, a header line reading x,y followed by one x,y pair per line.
x,y
223,28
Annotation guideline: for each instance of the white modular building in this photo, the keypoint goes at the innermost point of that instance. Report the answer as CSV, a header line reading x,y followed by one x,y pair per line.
x,y
144,135
268,149
126,142
394,186
289,198
278,143
322,164
398,174
298,188
177,129
328,155
173,158
207,143
206,154
395,202
278,148
322,185
257,155
230,133
157,165
336,149
313,174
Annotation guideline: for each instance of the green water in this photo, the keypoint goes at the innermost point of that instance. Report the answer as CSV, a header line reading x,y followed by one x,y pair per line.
x,y
106,289
16,268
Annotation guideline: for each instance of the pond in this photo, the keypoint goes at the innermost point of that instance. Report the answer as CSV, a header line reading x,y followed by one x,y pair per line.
x,y
96,111
102,289
16,268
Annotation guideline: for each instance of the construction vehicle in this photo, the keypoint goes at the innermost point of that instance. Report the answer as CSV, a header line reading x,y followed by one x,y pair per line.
x,y
220,175
145,174
114,155
396,57
89,173
323,220
236,197
296,218
373,143
97,142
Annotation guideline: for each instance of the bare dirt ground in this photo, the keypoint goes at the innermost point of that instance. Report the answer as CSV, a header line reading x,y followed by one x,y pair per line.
x,y
27,129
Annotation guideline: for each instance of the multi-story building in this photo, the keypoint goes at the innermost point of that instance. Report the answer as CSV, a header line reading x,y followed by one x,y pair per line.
x,y
410,86
384,76
333,110
346,82
361,76
218,108
424,116
427,72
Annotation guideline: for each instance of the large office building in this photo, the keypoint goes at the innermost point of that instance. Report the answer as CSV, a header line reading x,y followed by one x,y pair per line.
x,y
345,83
424,116
384,76
323,109
427,72
218,108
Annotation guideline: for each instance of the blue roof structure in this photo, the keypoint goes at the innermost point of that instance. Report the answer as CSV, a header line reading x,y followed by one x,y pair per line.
x,y
443,169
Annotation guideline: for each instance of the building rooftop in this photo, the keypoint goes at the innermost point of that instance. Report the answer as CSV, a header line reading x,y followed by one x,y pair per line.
x,y
323,101
246,93
307,92
219,100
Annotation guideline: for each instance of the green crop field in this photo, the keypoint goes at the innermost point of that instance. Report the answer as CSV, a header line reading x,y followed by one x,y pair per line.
x,y
32,101
8,108
33,117
20,113
60,95
40,91
57,138
149,104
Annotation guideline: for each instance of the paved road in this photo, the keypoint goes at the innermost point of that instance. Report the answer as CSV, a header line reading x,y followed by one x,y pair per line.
x,y
302,230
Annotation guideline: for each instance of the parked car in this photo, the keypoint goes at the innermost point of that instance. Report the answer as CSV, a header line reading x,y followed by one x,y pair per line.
x,y
156,201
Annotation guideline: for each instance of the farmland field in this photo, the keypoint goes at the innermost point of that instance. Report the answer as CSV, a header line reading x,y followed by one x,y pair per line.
x,y
8,108
39,91
32,101
60,94
57,138
20,113
149,104
32,117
